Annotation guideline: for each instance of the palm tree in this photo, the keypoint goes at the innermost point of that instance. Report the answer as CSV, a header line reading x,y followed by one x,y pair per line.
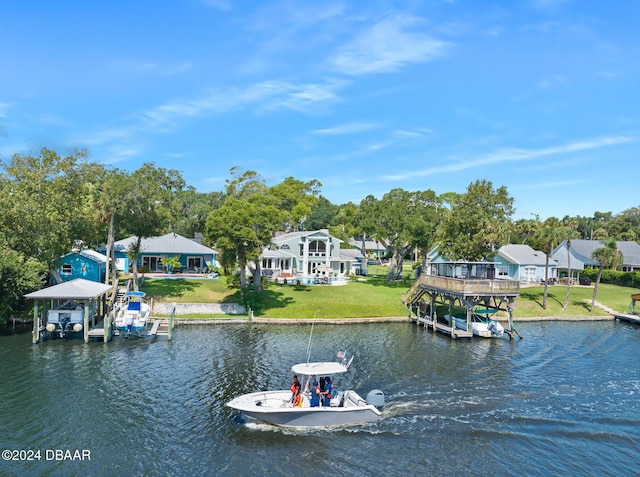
x,y
549,235
569,230
608,257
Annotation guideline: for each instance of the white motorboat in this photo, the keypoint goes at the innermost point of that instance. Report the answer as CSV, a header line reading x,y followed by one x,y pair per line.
x,y
482,326
346,407
134,314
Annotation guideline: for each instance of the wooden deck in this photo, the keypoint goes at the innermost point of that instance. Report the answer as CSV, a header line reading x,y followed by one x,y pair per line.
x,y
628,318
97,332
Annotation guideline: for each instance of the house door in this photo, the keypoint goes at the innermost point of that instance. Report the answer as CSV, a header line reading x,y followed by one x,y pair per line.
x,y
152,263
529,274
312,268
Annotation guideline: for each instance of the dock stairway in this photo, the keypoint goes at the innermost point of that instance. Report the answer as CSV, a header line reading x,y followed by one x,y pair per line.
x,y
413,295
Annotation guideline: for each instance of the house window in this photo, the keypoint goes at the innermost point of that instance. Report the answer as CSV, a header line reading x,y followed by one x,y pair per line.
x,y
194,262
151,262
503,272
284,247
67,269
317,248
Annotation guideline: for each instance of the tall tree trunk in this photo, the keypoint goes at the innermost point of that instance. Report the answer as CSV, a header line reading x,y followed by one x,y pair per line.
x,y
242,261
392,268
257,278
135,262
109,253
546,278
364,254
595,288
566,299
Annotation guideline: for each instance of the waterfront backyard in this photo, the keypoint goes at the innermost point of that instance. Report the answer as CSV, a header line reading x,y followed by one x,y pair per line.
x,y
372,296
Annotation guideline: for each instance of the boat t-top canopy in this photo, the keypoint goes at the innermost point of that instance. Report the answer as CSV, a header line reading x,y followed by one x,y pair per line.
x,y
138,294
327,367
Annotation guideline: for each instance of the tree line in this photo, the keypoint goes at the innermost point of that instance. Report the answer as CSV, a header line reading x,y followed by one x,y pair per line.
x,y
49,203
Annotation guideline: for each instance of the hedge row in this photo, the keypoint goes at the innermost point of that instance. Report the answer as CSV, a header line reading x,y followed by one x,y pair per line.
x,y
614,277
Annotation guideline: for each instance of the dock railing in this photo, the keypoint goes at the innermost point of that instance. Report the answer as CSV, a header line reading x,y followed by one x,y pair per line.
x,y
463,286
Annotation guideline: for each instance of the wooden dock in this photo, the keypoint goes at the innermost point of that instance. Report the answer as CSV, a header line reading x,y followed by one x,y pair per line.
x,y
97,332
628,318
442,328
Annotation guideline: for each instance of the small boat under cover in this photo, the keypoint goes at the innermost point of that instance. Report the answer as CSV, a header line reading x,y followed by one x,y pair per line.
x,y
346,407
482,326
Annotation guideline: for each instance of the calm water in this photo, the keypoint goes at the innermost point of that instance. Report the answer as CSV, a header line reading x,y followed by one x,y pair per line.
x,y
565,400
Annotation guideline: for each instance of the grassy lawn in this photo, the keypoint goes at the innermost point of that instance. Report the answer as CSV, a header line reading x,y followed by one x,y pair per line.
x,y
529,303
181,290
373,297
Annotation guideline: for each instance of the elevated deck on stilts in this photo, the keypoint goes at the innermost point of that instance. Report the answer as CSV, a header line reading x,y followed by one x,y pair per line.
x,y
432,293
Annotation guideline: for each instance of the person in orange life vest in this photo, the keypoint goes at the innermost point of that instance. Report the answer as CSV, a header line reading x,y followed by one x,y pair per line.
x,y
295,387
328,389
315,392
297,398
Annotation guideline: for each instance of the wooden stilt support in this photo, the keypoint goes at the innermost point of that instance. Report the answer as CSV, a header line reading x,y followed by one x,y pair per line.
x,y
36,323
172,317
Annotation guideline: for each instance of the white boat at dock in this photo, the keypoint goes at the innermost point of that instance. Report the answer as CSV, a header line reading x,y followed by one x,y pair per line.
x,y
345,408
133,316
481,324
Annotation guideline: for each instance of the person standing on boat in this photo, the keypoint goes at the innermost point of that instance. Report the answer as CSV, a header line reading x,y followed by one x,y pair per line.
x,y
315,392
328,389
295,387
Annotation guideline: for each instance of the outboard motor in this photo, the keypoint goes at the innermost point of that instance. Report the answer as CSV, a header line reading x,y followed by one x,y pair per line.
x,y
376,398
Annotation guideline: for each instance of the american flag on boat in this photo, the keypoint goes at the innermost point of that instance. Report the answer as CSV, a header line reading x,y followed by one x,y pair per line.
x,y
341,354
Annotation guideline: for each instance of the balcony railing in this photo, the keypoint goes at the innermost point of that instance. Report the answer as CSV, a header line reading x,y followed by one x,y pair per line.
x,y
470,286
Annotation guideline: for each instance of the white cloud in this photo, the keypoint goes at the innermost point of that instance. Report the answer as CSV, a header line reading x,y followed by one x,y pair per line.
x,y
514,155
404,134
346,129
267,95
386,47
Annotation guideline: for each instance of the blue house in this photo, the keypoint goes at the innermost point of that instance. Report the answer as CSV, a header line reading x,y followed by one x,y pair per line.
x,y
193,256
87,264
512,262
524,264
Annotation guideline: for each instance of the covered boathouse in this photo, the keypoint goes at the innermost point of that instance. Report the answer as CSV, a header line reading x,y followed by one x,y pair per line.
x,y
70,307
445,286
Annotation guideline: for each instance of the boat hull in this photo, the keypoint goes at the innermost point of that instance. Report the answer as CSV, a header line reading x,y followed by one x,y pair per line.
x,y
482,327
273,407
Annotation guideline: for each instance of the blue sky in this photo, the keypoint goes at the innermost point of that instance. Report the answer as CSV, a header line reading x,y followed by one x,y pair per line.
x,y
541,96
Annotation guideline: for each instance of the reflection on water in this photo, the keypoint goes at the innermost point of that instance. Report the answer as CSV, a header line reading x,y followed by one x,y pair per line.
x,y
560,401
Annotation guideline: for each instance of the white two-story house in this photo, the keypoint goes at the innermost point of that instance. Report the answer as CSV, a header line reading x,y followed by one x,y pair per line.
x,y
308,257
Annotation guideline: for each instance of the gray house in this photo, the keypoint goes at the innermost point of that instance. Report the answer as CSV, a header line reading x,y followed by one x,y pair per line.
x,y
523,263
581,251
308,256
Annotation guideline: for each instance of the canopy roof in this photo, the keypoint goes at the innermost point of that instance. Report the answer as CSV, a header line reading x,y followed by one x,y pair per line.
x,y
78,289
328,367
